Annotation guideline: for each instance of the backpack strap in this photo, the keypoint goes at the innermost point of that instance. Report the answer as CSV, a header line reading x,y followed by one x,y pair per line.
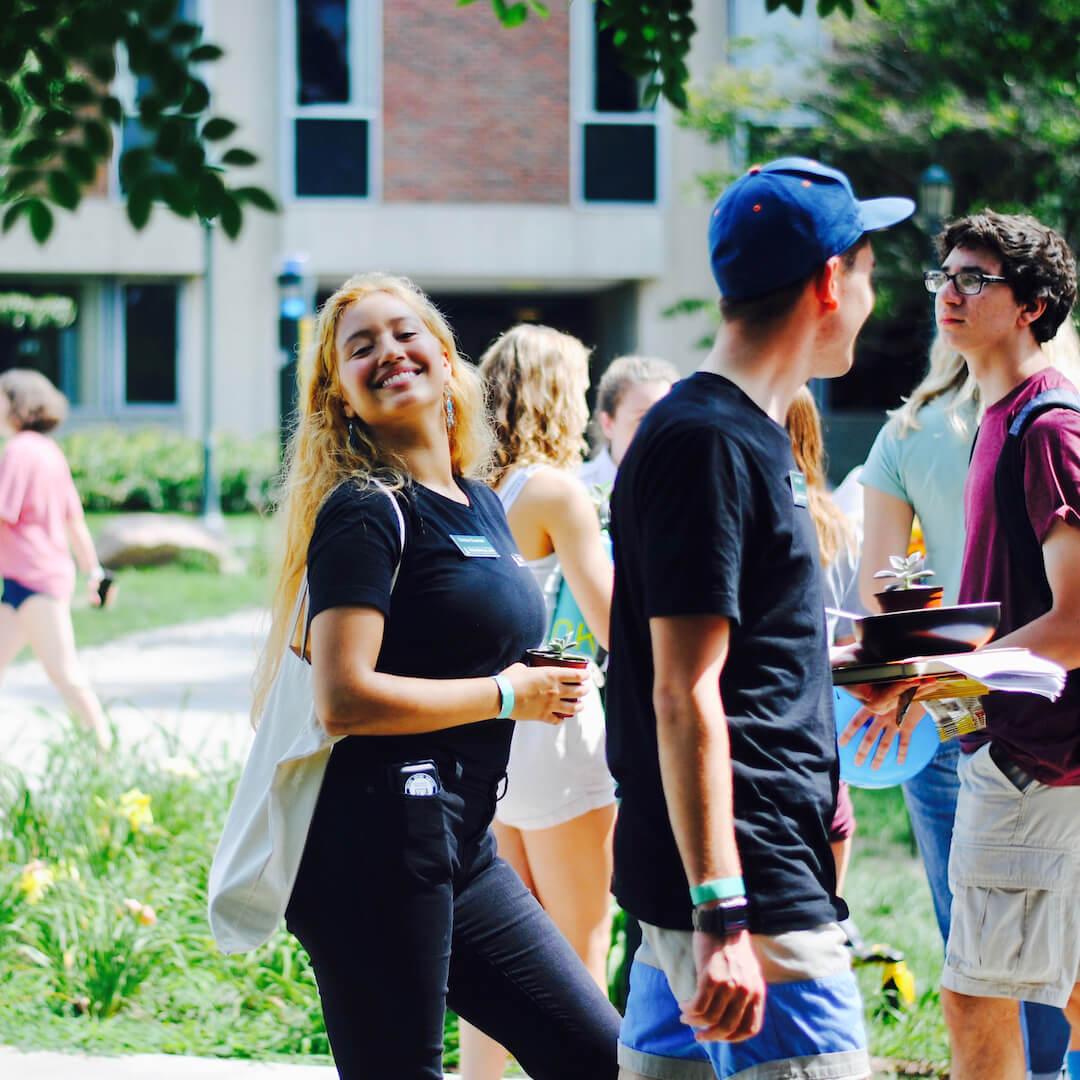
x,y
1025,551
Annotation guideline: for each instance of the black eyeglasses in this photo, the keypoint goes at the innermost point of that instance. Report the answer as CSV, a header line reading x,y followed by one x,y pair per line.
x,y
967,282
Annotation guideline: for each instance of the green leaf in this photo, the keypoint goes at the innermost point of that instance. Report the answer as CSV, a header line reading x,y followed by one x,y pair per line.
x,y
159,13
102,66
11,214
98,138
171,137
33,151
12,54
112,109
209,196
63,190
56,122
53,65
139,205
515,14
184,33
231,216
239,157
179,195
41,220
16,182
257,197
37,86
197,97
134,165
203,54
80,162
465,3
76,94
11,109
217,128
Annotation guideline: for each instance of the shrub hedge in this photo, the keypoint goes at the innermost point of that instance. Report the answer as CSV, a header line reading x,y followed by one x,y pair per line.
x,y
156,469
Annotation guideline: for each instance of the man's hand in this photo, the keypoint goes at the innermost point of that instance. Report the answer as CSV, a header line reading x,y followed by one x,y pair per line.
x,y
729,1004
883,724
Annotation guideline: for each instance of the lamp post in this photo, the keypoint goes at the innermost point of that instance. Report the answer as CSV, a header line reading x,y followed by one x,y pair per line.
x,y
211,494
935,199
295,296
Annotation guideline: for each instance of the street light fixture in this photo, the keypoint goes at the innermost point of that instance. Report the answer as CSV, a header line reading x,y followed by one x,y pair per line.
x,y
935,199
295,298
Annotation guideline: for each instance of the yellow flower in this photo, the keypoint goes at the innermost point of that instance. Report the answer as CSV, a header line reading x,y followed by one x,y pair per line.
x,y
135,806
142,913
36,879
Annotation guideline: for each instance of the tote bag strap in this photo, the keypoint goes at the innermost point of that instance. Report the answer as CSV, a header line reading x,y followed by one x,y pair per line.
x,y
302,594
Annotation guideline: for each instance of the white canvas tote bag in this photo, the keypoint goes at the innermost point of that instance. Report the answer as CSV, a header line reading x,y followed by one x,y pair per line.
x,y
258,856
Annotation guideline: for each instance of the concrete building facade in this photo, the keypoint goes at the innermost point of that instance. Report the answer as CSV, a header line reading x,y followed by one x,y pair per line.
x,y
511,173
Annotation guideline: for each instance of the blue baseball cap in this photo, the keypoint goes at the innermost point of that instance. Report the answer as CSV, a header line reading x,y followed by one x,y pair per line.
x,y
781,221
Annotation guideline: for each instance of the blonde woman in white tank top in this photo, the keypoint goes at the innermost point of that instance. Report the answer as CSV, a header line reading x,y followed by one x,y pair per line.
x,y
555,823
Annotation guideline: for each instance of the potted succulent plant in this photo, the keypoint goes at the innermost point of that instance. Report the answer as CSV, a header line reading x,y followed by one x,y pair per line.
x,y
909,590
558,652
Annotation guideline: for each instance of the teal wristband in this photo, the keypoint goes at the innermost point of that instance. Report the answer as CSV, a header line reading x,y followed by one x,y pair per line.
x,y
506,697
726,888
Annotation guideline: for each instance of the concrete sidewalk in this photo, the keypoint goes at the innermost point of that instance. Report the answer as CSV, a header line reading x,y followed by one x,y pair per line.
x,y
189,683
15,1065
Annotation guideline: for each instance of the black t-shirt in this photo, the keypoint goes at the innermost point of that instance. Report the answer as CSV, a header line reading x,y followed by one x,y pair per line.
x,y
449,616
705,522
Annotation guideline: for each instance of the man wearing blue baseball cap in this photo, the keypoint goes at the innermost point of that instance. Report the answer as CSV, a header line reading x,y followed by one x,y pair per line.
x,y
720,724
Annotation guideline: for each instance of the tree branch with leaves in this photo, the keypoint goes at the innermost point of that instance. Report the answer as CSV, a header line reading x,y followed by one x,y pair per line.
x,y
60,114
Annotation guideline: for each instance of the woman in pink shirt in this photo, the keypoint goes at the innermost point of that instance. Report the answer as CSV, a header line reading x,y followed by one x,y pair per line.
x,y
40,517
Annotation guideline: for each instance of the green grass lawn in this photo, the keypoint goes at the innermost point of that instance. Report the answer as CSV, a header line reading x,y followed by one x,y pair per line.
x,y
181,592
84,967
890,902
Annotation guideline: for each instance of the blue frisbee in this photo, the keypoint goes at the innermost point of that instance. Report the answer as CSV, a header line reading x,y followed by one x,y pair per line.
x,y
923,746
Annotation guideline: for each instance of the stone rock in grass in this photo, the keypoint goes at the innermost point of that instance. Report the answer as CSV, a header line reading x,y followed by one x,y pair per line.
x,y
158,539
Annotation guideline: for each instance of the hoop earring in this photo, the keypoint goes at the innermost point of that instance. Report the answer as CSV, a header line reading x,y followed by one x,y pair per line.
x,y
353,437
450,421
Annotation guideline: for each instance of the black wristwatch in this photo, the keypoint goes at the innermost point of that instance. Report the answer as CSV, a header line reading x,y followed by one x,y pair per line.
x,y
726,919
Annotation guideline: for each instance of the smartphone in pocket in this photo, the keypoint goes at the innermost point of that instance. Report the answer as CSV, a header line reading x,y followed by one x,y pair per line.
x,y
417,779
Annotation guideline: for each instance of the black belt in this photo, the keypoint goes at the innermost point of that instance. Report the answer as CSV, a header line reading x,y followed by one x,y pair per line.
x,y
1020,777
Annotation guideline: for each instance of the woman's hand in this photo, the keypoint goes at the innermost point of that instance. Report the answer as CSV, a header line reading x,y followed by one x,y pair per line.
x,y
550,694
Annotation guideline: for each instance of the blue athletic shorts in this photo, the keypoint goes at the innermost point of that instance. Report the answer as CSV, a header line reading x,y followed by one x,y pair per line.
x,y
813,1027
15,593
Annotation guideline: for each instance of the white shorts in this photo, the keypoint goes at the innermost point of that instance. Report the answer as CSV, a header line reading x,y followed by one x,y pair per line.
x,y
556,774
1015,877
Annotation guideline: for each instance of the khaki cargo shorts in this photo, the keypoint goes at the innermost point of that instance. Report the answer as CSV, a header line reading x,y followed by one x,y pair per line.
x,y
1014,872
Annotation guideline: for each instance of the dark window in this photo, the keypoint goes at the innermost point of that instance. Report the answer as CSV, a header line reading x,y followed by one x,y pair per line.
x,y
620,162
39,330
332,157
322,52
150,344
614,90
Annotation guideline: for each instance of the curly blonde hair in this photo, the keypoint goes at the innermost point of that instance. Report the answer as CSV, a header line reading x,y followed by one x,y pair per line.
x,y
535,378
321,456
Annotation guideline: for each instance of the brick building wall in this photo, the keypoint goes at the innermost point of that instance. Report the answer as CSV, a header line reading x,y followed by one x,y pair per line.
x,y
474,112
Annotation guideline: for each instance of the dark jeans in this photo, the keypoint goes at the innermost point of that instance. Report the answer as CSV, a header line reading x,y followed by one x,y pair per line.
x,y
405,909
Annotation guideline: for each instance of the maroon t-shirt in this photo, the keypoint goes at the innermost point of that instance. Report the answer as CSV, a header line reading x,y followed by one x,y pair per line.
x,y
1042,737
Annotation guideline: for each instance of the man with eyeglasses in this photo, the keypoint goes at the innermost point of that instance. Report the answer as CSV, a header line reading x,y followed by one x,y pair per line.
x,y
1005,286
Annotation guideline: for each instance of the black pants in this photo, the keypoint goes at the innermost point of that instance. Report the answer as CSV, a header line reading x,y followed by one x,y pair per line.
x,y
404,909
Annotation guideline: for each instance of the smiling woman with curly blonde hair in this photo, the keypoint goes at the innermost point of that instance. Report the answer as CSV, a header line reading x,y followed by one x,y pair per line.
x,y
418,613
554,825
